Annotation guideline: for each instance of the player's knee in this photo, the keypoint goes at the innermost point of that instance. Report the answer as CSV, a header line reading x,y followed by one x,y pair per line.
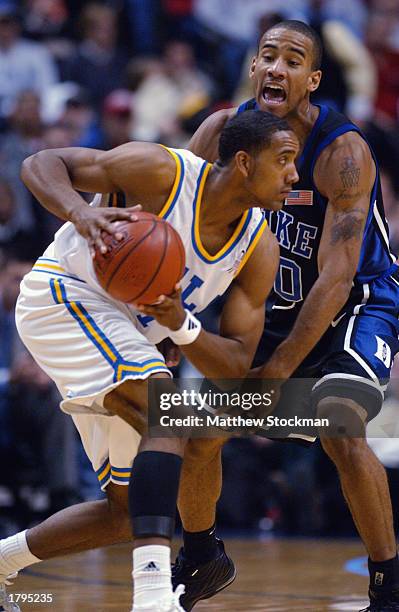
x,y
342,418
118,508
346,453
201,452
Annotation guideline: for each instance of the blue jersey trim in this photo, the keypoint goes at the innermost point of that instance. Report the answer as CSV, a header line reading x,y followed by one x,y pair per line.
x,y
342,129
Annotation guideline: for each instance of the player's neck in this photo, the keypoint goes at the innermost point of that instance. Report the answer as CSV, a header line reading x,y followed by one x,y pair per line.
x,y
302,119
221,202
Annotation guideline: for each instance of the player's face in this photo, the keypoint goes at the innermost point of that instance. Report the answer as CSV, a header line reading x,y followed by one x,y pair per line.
x,y
282,71
274,171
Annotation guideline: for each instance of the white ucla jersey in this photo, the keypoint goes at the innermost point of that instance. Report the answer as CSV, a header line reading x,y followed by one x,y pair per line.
x,y
206,276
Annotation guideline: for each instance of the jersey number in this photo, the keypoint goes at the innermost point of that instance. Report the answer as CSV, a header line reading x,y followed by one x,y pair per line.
x,y
288,283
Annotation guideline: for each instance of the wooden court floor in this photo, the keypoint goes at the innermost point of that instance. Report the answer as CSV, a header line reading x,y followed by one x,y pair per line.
x,y
273,575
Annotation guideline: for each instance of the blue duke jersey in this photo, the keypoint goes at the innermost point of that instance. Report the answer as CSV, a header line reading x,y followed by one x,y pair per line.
x,y
298,227
206,276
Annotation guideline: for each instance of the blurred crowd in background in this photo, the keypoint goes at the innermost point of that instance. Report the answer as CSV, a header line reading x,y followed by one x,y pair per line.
x,y
98,74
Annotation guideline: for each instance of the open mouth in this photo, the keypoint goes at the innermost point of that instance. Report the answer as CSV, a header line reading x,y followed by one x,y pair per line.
x,y
273,94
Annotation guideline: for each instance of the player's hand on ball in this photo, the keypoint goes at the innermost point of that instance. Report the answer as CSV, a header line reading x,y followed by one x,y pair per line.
x,y
168,310
92,222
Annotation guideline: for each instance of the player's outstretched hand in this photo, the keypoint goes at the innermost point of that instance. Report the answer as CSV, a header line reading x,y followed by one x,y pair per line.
x,y
90,222
168,310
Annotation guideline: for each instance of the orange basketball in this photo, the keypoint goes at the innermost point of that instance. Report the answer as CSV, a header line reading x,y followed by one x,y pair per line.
x,y
146,263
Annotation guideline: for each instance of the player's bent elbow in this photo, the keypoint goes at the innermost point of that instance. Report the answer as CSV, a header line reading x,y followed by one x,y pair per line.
x,y
30,165
26,169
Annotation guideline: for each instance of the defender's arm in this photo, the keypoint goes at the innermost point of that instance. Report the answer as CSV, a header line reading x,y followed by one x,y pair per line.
x,y
344,174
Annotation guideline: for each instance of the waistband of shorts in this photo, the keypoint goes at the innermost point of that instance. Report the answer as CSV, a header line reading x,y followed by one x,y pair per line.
x,y
393,270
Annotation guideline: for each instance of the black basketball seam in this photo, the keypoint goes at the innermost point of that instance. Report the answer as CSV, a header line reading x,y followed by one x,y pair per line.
x,y
159,263
154,223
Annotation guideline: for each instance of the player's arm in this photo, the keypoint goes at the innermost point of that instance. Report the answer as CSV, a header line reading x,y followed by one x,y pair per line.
x,y
230,354
205,141
345,174
144,172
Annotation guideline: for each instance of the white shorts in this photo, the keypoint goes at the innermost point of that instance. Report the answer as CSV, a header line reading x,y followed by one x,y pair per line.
x,y
88,345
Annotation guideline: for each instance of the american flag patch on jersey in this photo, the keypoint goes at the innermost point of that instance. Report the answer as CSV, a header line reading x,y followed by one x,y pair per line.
x,y
299,198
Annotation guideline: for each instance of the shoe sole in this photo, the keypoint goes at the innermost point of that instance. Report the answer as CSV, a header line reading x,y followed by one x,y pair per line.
x,y
212,593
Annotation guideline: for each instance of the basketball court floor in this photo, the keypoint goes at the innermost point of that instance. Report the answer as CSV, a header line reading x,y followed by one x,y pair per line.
x,y
273,575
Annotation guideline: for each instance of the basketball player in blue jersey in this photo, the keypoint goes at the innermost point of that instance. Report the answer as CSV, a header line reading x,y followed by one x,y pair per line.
x,y
100,353
333,315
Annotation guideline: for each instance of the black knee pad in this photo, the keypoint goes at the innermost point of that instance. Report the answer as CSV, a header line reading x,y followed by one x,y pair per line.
x,y
364,393
153,490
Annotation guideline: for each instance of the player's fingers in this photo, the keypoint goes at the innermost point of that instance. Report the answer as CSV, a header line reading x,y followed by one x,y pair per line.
x,y
133,209
99,243
173,356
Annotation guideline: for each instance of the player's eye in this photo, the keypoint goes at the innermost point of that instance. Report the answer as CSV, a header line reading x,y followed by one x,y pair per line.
x,y
294,63
268,58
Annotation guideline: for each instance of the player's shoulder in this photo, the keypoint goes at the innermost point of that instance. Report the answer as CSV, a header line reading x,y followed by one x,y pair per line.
x,y
204,142
218,119
350,145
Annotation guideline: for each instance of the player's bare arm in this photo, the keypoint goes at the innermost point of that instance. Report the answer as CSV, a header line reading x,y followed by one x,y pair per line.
x,y
345,174
145,172
230,354
205,141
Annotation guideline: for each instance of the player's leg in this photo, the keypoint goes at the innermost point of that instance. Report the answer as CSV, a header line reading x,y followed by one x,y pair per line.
x,y
100,363
153,491
75,529
350,395
110,445
202,564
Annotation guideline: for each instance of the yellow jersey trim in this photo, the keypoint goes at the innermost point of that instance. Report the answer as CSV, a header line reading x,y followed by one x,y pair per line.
x,y
174,194
255,239
197,238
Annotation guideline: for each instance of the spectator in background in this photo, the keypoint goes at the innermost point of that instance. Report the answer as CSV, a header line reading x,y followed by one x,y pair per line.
x,y
23,64
45,19
48,21
28,410
144,25
23,138
116,119
383,42
99,64
156,100
13,238
349,80
165,91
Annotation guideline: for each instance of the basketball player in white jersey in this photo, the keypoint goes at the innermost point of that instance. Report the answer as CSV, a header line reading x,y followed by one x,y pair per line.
x,y
101,352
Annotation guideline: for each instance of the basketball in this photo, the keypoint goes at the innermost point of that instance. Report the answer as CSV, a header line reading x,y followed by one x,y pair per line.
x,y
146,263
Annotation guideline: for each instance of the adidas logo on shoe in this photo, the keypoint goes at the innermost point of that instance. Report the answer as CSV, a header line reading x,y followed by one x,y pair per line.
x,y
151,567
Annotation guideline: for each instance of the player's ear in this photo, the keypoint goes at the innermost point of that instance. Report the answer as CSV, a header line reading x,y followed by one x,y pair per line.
x,y
314,80
252,67
243,163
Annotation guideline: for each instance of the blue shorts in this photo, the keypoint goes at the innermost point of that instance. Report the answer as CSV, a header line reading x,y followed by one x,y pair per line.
x,y
354,357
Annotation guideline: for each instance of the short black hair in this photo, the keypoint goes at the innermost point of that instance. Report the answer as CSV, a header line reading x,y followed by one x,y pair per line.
x,y
249,131
306,30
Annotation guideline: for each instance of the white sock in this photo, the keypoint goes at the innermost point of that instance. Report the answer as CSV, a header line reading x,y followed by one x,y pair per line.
x,y
15,554
151,574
